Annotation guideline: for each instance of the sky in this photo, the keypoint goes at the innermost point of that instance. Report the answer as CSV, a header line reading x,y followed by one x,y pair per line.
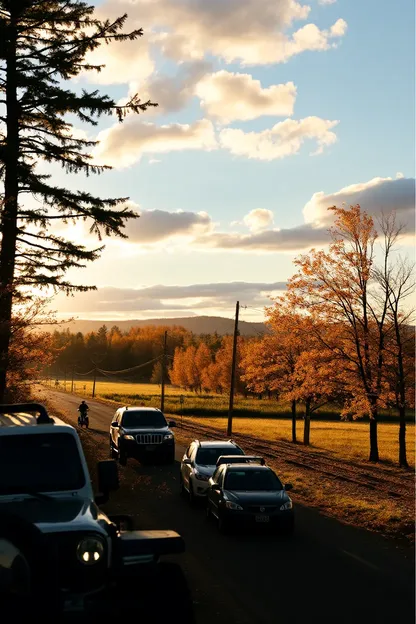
x,y
269,112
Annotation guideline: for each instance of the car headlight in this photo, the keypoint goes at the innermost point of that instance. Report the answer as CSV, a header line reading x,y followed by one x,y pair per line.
x,y
200,476
128,437
169,436
233,506
90,550
287,505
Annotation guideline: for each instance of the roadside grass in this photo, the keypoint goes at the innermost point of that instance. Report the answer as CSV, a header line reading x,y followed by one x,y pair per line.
x,y
202,405
343,439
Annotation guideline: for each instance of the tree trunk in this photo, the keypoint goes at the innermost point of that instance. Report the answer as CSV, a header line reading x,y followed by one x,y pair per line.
x,y
9,216
374,456
294,421
307,423
402,438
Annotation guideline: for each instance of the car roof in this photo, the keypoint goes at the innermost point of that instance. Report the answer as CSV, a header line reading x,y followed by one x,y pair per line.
x,y
138,408
217,444
231,467
26,421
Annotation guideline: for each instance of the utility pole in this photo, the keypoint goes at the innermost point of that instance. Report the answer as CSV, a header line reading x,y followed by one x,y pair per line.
x,y
163,375
233,367
72,379
93,383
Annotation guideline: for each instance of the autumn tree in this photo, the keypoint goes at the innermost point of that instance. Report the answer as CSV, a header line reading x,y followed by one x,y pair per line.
x,y
43,45
396,279
336,286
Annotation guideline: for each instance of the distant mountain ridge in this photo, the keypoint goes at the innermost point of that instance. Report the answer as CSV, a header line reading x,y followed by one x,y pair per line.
x,y
195,324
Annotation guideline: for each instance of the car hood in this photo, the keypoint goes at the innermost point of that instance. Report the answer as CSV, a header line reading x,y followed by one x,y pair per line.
x,y
277,497
59,514
205,469
136,430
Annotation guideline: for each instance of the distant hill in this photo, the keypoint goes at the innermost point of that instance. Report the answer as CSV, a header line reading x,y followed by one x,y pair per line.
x,y
195,324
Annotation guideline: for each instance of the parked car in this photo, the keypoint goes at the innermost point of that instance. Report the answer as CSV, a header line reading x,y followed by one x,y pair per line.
x,y
60,554
142,433
199,463
249,494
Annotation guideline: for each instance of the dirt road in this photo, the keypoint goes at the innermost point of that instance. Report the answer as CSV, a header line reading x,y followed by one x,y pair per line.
x,y
327,572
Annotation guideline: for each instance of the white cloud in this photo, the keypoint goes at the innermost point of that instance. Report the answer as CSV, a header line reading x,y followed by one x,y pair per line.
x,y
169,298
229,96
125,61
124,143
253,32
324,2
154,161
375,196
258,219
155,226
283,139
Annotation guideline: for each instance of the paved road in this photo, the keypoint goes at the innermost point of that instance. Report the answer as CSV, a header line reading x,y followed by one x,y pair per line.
x,y
327,572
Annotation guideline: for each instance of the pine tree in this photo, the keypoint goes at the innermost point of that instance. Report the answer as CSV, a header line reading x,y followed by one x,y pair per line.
x,y
43,44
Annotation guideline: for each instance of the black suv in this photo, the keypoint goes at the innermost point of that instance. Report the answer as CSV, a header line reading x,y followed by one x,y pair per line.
x,y
142,433
60,554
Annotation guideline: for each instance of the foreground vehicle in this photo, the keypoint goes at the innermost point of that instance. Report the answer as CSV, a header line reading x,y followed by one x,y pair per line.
x,y
249,494
199,462
58,549
142,433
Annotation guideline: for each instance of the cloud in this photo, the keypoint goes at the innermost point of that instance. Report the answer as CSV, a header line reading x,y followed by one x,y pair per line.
x,y
253,32
124,61
324,2
283,139
375,196
124,144
169,298
258,219
159,225
229,96
287,240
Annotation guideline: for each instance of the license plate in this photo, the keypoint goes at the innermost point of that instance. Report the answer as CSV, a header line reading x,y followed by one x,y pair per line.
x,y
262,518
150,447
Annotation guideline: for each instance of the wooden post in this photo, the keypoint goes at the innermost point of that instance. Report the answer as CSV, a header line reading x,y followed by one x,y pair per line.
x,y
93,383
233,367
163,375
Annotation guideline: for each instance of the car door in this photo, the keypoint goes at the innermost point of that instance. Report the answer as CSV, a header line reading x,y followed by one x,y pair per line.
x,y
215,495
187,468
115,431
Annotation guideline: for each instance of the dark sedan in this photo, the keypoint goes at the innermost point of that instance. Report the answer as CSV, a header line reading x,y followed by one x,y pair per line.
x,y
249,495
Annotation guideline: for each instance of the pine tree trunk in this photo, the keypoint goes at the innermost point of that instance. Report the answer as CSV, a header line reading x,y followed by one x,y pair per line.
x,y
402,437
374,456
294,422
9,214
307,423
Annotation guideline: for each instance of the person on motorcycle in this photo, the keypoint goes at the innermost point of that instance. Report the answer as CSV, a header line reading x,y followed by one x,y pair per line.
x,y
83,408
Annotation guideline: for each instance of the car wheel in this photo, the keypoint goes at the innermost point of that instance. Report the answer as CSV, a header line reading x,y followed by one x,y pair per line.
x,y
191,495
223,525
170,457
122,457
208,513
181,485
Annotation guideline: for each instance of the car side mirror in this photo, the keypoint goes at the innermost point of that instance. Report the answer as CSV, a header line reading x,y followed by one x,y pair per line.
x,y
122,522
288,487
215,487
172,423
107,479
187,461
114,424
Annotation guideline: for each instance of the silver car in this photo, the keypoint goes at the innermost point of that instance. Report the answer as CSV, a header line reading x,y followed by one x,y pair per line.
x,y
199,463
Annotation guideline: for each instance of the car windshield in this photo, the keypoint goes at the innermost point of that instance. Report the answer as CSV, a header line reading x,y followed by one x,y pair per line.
x,y
143,418
209,456
252,480
42,462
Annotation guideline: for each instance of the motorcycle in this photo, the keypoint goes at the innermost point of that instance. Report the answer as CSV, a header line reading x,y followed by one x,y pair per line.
x,y
83,420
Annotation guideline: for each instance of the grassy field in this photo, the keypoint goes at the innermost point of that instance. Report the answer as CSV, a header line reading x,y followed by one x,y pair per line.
x,y
204,405
349,440
271,421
